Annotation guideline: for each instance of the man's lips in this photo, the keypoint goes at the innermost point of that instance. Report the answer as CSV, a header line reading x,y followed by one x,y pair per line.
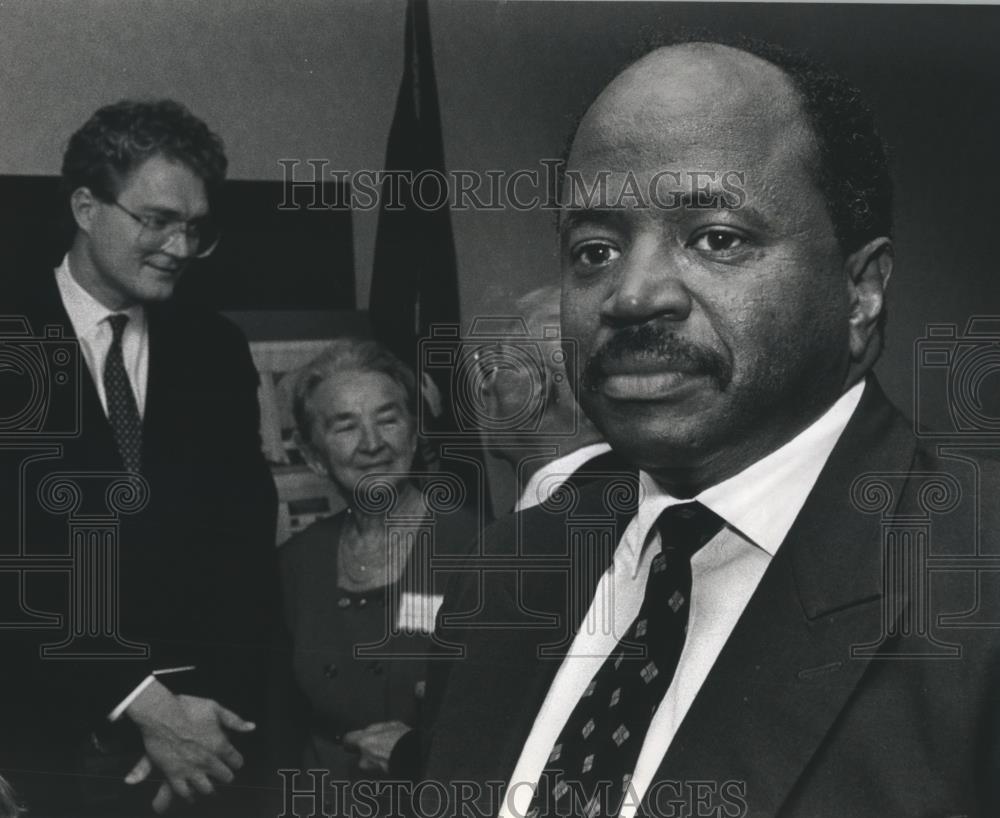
x,y
165,269
645,383
632,364
650,361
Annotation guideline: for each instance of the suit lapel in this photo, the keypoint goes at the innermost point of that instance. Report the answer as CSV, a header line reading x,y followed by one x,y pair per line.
x,y
158,346
787,669
562,538
599,467
162,385
525,628
45,308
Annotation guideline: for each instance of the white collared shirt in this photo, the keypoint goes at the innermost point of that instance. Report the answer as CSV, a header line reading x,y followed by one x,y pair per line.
x,y
89,318
544,482
758,506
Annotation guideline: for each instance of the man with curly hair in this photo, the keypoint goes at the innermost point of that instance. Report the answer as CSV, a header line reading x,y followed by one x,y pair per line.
x,y
166,392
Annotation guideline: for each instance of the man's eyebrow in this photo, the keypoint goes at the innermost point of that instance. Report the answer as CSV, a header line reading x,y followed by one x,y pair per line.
x,y
160,211
677,205
570,217
170,213
708,198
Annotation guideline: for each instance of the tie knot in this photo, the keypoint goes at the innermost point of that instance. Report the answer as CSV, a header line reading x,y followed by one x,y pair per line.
x,y
685,528
118,322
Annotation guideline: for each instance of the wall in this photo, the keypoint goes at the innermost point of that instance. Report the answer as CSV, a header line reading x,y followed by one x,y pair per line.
x,y
317,79
289,79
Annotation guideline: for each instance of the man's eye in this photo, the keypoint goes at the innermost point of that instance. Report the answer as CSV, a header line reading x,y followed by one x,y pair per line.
x,y
157,223
718,241
595,253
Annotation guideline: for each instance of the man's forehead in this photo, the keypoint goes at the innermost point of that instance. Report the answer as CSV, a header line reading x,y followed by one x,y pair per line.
x,y
165,182
713,100
706,75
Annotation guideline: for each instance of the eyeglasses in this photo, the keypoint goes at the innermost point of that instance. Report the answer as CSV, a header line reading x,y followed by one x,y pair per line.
x,y
159,230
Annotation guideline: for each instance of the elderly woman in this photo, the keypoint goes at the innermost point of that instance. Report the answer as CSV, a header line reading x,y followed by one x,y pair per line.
x,y
357,579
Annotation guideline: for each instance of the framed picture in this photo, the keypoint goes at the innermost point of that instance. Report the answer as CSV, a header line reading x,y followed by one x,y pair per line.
x,y
303,496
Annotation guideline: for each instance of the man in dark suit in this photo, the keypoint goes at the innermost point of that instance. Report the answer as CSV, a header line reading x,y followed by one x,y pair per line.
x,y
803,611
166,608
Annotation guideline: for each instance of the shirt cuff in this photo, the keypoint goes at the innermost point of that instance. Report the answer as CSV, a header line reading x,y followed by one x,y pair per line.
x,y
116,714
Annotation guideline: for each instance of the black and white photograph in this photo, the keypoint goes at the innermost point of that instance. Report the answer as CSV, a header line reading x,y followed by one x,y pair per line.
x,y
499,409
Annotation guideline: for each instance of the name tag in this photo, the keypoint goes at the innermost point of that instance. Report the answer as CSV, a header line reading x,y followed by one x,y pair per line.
x,y
418,611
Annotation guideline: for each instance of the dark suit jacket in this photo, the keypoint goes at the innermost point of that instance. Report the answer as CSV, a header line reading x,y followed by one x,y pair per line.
x,y
860,680
599,468
196,583
346,692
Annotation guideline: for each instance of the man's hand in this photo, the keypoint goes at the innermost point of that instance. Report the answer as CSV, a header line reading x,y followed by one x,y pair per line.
x,y
185,739
375,743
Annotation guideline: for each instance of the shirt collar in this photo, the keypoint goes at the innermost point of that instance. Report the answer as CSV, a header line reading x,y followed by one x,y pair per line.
x,y
85,312
762,501
553,474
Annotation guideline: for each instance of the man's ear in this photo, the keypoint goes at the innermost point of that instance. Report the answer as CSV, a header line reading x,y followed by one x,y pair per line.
x,y
83,205
867,271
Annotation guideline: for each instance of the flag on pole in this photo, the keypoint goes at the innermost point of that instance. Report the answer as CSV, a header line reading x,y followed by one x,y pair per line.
x,y
415,276
415,272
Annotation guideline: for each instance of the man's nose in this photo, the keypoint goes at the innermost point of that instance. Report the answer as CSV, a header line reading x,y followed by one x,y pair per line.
x,y
651,282
180,244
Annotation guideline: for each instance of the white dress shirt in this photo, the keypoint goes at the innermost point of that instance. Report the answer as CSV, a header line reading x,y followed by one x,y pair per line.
x,y
89,318
544,482
758,506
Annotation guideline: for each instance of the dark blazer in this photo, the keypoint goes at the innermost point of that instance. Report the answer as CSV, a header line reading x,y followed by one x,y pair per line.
x,y
858,682
599,468
346,692
196,582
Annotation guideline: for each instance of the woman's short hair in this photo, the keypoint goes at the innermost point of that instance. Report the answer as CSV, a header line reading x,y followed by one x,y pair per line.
x,y
347,355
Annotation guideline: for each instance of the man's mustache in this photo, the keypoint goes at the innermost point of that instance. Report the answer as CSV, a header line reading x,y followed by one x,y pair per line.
x,y
654,342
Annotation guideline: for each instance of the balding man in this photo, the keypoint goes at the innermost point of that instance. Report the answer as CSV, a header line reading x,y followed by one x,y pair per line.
x,y
775,642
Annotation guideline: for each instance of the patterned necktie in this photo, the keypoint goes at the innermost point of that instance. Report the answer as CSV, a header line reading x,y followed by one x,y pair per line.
x,y
122,410
593,759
